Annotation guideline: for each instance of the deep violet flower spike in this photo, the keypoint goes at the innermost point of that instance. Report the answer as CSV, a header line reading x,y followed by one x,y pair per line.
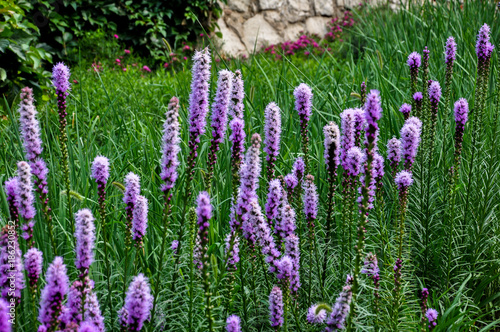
x,y
30,128
53,293
100,169
461,112
60,78
236,106
198,99
72,311
314,318
418,97
233,323
220,107
273,199
291,181
237,137
434,93
331,145
170,148
33,260
25,191
272,135
138,302
414,61
484,48
450,50
5,325
410,140
373,110
394,152
85,237
405,109
12,199
311,198
140,219
276,307
11,268
204,213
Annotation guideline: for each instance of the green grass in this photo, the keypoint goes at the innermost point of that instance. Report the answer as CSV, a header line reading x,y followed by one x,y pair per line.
x,y
120,115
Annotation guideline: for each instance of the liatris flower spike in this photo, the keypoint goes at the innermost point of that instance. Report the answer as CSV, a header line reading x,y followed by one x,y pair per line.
x,y
405,110
314,318
263,232
5,325
291,183
432,315
394,154
311,198
53,294
233,323
93,313
232,254
174,246
11,267
33,260
138,303
140,220
276,307
285,224
410,140
25,196
236,106
359,125
403,180
461,112
354,161
100,169
417,100
484,48
273,200
85,237
414,62
434,97
363,93
348,137
219,120
272,137
170,149
30,128
423,304
450,50
303,105
341,309
299,168
331,145
132,190
11,192
292,251
87,327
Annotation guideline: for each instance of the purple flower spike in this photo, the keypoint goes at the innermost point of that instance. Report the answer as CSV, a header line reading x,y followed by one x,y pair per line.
x,y
341,308
394,153
204,213
72,312
87,327
405,109
5,325
359,125
450,50
174,246
30,128
263,233
418,97
220,106
236,106
273,199
410,140
93,313
354,161
272,136
25,191
140,220
13,199
299,168
85,237
348,137
285,268
434,93
484,48
310,198
303,102
138,302
198,99
132,190
100,169
431,315
378,169
60,78
276,307
11,267
233,323
370,265
414,61
332,145
237,137
461,111
53,294
373,112
314,318
170,149
285,225
233,256
33,260
403,180
291,182
292,251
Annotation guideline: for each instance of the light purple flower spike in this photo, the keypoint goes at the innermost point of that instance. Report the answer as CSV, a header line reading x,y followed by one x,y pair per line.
x,y
314,318
85,237
93,313
273,199
30,128
100,169
233,324
198,99
299,168
303,102
5,325
341,309
354,161
170,148
132,190
60,77
405,109
237,137
220,106
331,145
12,198
236,106
461,111
403,180
484,48
25,191
140,219
33,260
410,140
394,152
138,302
53,293
311,198
431,315
450,50
263,233
292,251
414,61
348,137
285,224
272,135
233,256
276,307
11,268
204,213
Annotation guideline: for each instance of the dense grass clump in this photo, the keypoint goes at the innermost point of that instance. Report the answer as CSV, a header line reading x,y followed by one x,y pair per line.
x,y
355,189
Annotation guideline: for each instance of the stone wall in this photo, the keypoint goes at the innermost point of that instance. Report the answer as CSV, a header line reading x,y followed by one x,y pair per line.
x,y
250,24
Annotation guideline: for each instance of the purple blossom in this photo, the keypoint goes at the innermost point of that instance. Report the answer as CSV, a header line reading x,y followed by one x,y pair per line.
x,y
11,267
311,198
355,158
276,307
53,293
236,106
303,102
272,134
378,169
30,128
299,168
434,94
461,111
198,99
220,107
204,213
331,145
138,302
285,268
233,324
33,260
87,327
403,180
394,152
484,48
405,109
285,225
174,246
60,78
418,97
291,181
12,198
237,137
359,124
292,251
347,139
414,61
413,120
100,169
263,233
40,171
341,309
431,315
72,312
370,265
85,237
314,318
373,112
93,313
132,190
233,256
25,191
5,325
197,255
140,219
170,149
450,50
410,140
273,199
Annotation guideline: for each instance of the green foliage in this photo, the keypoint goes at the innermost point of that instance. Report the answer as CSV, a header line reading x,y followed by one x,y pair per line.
x,y
21,54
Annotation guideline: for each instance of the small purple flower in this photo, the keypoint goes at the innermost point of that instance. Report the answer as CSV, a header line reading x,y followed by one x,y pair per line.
x,y
314,318
25,195
394,152
370,265
5,318
276,307
434,93
272,130
373,112
132,190
355,158
410,140
53,293
30,128
60,78
414,61
450,50
461,111
331,145
359,124
291,182
138,302
33,260
405,109
237,137
233,323
87,327
85,237
431,315
140,220
93,313
170,148
378,169
403,180
484,48
236,106
40,171
303,102
418,97
285,268
100,169
299,168
273,199
72,311
174,246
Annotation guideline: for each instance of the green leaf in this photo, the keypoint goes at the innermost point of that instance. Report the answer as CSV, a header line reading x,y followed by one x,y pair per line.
x,y
3,74
4,43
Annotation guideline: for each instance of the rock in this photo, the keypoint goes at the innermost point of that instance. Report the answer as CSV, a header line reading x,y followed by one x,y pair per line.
x,y
230,44
238,5
270,4
298,10
324,7
234,21
317,25
293,31
275,19
258,32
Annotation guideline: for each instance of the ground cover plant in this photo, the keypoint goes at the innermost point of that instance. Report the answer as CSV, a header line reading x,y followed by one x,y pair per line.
x,y
356,192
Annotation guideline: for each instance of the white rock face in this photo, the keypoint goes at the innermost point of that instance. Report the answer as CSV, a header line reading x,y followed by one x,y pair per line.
x,y
293,31
239,5
317,25
230,44
298,10
270,4
258,32
324,7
